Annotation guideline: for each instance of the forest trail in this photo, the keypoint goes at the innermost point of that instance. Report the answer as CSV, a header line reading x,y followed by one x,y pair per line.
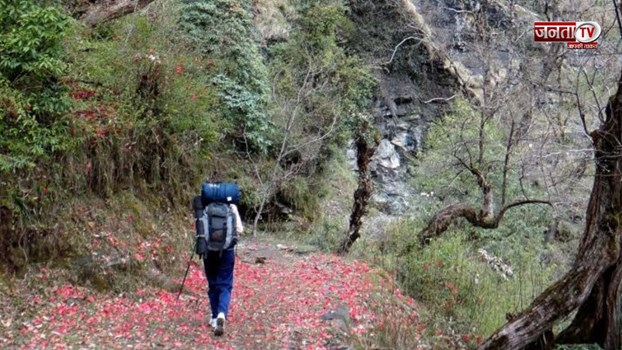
x,y
281,300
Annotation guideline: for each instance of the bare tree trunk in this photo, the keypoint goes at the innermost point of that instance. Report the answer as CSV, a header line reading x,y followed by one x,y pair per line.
x,y
107,10
593,283
366,145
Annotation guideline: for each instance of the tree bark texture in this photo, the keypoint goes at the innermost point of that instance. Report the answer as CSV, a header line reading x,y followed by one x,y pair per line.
x,y
366,145
107,10
593,283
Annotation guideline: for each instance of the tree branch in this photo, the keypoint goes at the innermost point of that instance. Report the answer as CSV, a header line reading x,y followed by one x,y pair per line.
x,y
560,299
593,283
107,10
506,164
443,99
475,216
397,47
519,203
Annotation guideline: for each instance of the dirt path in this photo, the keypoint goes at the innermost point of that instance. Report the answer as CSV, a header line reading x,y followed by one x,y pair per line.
x,y
288,301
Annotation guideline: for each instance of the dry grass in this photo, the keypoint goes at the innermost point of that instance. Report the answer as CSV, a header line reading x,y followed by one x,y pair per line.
x,y
272,19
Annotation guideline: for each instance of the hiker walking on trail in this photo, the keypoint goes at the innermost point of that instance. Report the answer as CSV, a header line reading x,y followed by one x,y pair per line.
x,y
218,225
219,271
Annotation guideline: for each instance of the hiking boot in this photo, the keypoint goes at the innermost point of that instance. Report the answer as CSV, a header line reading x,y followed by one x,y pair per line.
x,y
220,325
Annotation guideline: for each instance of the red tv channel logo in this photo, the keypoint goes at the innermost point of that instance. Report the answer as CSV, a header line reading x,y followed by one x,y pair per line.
x,y
577,35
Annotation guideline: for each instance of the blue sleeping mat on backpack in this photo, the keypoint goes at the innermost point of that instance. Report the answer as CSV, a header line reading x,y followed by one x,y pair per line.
x,y
224,192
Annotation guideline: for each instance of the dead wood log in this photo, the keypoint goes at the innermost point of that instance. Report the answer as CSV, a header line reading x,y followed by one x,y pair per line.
x,y
106,10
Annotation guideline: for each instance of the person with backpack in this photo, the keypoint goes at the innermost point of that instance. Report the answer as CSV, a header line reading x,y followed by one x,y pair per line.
x,y
218,227
219,271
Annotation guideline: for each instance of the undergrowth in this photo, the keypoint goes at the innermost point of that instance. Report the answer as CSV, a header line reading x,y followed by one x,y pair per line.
x,y
138,120
462,298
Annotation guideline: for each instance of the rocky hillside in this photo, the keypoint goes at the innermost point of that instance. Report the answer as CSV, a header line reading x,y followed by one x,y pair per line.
x,y
427,54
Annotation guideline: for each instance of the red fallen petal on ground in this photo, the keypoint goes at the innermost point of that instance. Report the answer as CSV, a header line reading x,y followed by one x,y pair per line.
x,y
275,305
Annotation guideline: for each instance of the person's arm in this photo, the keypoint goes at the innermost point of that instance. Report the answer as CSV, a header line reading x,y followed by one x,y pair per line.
x,y
239,228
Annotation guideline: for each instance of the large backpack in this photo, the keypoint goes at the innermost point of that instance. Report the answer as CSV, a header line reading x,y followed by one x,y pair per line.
x,y
215,221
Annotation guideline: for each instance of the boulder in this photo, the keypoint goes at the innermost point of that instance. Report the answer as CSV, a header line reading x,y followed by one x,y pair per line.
x,y
387,156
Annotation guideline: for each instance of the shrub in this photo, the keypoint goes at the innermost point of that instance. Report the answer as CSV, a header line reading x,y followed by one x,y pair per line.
x,y
32,96
318,88
450,277
148,112
223,31
137,117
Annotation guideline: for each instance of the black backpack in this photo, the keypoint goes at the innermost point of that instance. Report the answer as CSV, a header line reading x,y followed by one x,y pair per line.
x,y
215,221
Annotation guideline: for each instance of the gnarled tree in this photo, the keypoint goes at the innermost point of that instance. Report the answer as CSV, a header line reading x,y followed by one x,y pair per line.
x,y
484,217
592,286
495,96
471,155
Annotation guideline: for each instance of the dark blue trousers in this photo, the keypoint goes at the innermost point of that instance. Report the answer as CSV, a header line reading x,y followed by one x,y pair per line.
x,y
219,273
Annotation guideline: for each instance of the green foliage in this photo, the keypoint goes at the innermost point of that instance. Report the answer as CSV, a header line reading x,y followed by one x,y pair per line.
x,y
147,109
155,82
32,97
453,280
315,62
141,118
31,42
223,31
318,87
335,191
455,139
326,234
322,22
298,193
317,90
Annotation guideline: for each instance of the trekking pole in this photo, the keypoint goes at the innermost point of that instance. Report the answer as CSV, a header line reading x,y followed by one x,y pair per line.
x,y
186,274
